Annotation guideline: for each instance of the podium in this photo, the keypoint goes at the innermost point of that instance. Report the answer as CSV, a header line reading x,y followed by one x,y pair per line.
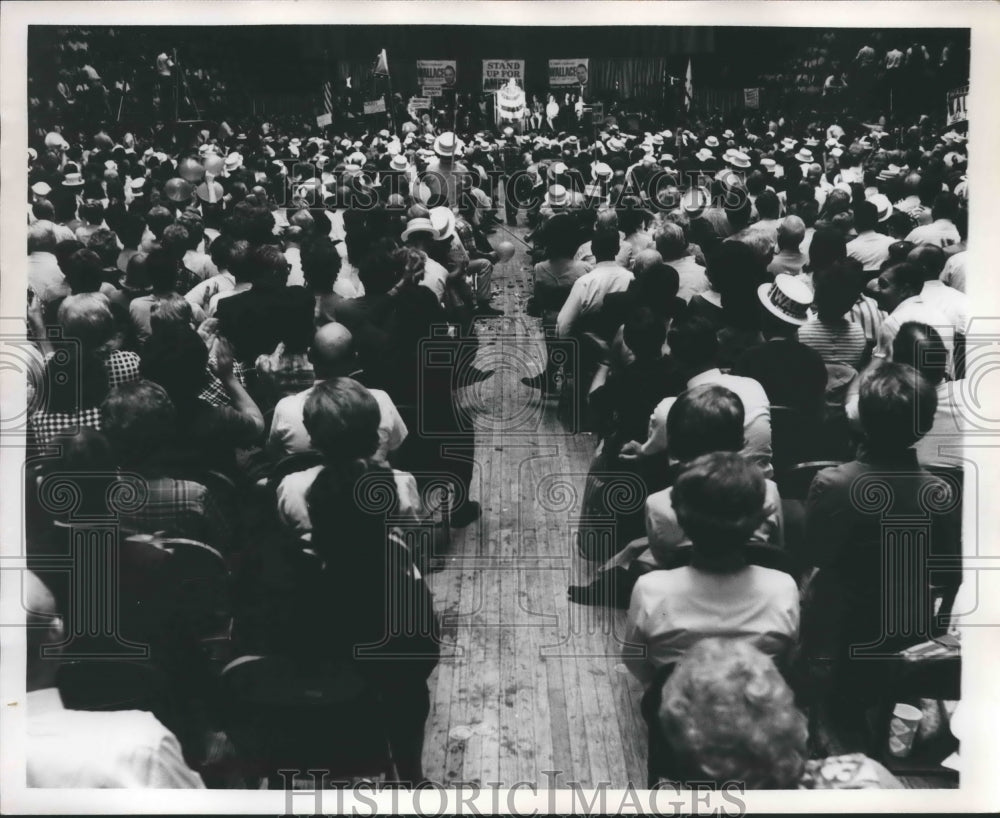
x,y
510,107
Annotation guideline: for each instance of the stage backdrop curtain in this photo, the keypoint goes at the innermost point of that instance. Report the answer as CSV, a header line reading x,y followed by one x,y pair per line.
x,y
630,78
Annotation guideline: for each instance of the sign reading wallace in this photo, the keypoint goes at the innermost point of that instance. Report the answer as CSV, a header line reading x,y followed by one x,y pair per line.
x,y
958,105
569,72
496,73
436,73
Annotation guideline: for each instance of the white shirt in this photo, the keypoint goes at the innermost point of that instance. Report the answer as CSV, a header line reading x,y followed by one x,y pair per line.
x,y
940,232
588,292
200,264
871,249
953,273
952,303
916,309
293,508
756,417
288,433
45,277
435,276
692,277
671,610
101,749
201,294
293,255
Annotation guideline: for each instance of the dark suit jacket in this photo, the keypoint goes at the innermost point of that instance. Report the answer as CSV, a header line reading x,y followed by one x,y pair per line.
x,y
254,320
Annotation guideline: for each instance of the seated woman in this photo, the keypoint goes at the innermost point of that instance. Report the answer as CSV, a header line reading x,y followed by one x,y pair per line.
x,y
719,501
725,714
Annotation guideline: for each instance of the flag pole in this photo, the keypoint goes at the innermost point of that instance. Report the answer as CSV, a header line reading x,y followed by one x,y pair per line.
x,y
389,100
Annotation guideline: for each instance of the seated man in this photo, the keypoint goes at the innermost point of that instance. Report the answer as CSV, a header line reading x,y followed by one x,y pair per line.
x,y
81,748
849,514
695,347
328,411
332,356
719,501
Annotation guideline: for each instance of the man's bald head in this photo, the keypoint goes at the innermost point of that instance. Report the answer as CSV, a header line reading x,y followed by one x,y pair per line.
x,y
911,184
44,627
332,351
814,172
644,260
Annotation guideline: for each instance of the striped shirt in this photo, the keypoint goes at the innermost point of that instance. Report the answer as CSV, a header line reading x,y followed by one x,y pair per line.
x,y
837,342
866,313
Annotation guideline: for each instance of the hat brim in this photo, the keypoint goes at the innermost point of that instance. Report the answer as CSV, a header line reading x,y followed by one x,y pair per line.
x,y
762,292
412,231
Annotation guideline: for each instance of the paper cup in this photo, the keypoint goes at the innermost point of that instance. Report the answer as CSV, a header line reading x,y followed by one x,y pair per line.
x,y
903,729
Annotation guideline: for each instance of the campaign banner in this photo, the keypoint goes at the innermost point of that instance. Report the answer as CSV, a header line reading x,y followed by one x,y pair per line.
x,y
569,72
497,73
374,106
436,74
431,91
751,98
958,105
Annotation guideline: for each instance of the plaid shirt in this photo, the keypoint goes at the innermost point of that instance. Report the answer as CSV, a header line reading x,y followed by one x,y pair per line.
x,y
215,393
180,508
122,367
46,425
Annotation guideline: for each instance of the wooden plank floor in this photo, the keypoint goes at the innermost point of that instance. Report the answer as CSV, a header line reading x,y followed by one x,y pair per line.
x,y
530,682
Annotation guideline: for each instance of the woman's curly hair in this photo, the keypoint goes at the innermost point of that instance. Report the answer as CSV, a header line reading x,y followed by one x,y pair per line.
x,y
728,714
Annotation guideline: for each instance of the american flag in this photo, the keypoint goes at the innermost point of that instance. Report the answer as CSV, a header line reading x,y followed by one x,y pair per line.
x,y
328,97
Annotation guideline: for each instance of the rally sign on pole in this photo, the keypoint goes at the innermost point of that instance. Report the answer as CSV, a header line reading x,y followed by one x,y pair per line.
x,y
324,120
436,74
569,72
958,105
418,104
497,73
374,106
751,98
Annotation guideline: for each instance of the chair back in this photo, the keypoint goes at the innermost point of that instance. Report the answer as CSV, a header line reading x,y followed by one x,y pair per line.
x,y
103,684
795,436
794,481
285,714
300,461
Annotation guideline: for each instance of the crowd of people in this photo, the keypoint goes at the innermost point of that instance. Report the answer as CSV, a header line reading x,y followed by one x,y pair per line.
x,y
260,337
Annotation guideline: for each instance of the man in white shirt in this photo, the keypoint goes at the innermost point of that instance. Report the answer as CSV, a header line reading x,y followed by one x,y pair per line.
x,y
870,248
332,356
898,290
694,346
44,275
587,295
293,253
941,231
953,273
954,305
674,249
84,749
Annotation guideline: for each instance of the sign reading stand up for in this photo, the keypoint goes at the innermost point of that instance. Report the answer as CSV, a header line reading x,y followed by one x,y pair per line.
x,y
496,73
